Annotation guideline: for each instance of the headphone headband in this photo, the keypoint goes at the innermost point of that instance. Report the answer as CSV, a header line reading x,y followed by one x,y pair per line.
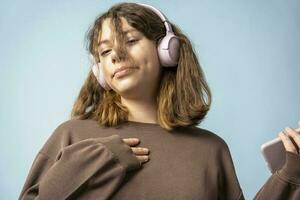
x,y
161,16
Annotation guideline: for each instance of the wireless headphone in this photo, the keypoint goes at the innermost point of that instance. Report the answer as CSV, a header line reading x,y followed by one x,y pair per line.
x,y
167,49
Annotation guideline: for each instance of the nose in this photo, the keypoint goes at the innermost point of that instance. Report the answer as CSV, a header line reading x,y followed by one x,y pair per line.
x,y
118,54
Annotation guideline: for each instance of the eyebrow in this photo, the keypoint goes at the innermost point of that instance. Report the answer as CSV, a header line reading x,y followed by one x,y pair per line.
x,y
107,41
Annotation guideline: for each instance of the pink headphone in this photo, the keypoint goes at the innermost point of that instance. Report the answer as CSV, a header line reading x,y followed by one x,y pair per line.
x,y
168,49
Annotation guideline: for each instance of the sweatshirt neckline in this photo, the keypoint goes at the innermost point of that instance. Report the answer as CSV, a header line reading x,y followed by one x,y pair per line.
x,y
142,123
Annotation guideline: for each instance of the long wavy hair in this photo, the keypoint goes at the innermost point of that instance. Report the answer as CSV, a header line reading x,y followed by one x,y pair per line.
x,y
183,97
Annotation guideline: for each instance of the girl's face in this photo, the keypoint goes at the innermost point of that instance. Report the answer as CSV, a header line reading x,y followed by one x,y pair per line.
x,y
142,78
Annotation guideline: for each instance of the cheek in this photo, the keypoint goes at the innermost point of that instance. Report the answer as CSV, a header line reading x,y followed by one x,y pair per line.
x,y
151,61
146,55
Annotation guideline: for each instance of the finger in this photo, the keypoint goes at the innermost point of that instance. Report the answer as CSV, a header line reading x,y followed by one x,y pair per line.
x,y
296,136
288,145
131,141
140,150
143,158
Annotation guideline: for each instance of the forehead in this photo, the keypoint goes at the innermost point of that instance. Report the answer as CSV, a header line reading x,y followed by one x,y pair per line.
x,y
106,32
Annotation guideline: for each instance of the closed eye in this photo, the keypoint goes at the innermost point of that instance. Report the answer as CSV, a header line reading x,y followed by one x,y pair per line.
x,y
132,41
104,52
129,41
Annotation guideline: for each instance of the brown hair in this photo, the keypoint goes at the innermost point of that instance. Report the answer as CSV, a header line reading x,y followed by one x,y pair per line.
x,y
184,97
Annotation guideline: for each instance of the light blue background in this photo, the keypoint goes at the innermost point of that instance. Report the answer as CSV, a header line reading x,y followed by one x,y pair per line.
x,y
249,51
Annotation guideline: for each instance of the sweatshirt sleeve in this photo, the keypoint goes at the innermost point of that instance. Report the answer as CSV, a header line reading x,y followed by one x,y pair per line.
x,y
106,159
284,183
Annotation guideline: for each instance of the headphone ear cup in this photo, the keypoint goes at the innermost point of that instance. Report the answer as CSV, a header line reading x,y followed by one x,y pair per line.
x,y
102,81
95,70
168,50
98,73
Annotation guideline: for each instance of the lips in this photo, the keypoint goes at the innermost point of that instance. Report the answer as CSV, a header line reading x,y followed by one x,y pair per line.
x,y
121,69
124,72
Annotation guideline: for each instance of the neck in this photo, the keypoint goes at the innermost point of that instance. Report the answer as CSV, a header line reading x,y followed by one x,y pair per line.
x,y
141,110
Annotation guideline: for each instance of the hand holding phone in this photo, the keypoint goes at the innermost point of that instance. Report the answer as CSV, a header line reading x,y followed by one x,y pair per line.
x,y
274,150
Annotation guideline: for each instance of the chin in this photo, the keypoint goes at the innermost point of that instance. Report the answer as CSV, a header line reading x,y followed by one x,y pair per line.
x,y
127,90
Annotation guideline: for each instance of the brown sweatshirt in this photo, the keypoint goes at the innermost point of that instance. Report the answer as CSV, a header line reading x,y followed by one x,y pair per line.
x,y
82,160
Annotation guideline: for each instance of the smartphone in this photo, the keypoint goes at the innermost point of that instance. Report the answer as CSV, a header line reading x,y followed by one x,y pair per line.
x,y
274,153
